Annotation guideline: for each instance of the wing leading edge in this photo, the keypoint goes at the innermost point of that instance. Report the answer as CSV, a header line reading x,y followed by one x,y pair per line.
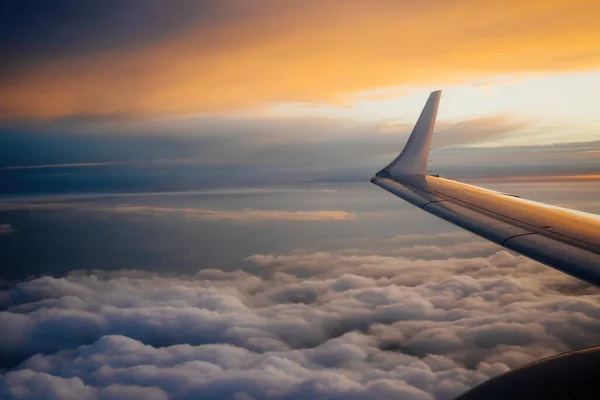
x,y
563,239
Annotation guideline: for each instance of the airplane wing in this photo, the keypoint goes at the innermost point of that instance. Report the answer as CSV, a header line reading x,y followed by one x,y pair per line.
x,y
564,239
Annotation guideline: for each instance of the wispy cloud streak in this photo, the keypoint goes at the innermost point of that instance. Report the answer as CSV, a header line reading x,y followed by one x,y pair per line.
x,y
198,214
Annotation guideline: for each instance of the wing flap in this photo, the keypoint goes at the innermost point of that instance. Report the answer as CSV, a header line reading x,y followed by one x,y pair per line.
x,y
489,228
569,259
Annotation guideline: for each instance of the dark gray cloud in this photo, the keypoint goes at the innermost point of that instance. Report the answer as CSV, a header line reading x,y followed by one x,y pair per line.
x,y
31,31
363,325
194,153
229,141
5,229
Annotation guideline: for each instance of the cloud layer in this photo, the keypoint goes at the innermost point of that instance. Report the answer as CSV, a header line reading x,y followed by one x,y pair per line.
x,y
225,150
5,229
198,214
344,324
248,142
207,56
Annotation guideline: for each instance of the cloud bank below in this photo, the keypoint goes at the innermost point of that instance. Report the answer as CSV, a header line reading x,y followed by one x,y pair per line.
x,y
340,324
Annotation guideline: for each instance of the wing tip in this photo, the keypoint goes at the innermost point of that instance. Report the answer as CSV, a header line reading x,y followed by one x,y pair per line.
x,y
413,158
436,94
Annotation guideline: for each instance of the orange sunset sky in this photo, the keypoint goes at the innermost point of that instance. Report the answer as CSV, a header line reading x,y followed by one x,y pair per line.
x,y
532,64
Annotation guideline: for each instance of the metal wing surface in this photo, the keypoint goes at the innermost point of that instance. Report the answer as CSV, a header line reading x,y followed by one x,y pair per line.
x,y
564,239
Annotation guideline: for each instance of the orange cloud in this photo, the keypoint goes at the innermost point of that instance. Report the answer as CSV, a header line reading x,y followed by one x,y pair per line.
x,y
199,214
319,51
239,215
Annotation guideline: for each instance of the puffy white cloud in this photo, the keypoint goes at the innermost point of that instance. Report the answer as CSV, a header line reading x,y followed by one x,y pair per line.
x,y
340,324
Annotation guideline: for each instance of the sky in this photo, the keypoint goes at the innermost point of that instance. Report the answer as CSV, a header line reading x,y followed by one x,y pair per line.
x,y
185,206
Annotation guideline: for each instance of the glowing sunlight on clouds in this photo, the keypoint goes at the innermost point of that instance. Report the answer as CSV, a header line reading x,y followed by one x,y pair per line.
x,y
320,51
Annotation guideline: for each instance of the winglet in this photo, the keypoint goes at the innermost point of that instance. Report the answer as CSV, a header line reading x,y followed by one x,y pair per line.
x,y
413,159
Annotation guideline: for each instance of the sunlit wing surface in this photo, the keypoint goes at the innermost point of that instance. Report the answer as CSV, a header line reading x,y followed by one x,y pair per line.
x,y
564,239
